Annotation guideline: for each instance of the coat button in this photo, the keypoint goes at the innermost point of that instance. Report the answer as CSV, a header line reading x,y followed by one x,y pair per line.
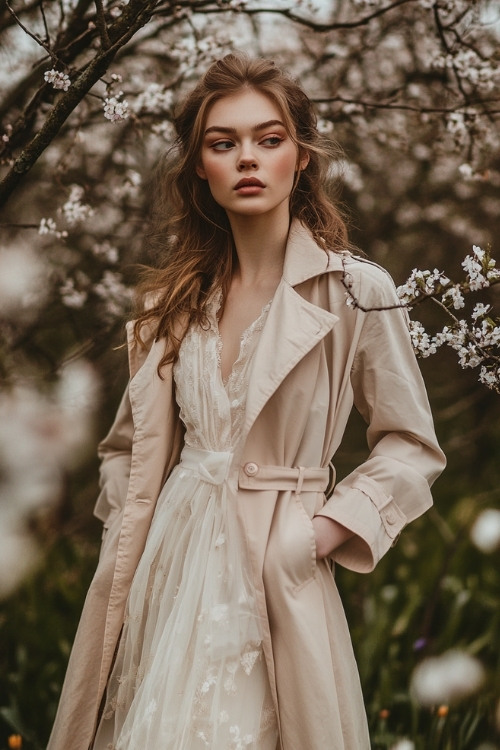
x,y
250,469
390,517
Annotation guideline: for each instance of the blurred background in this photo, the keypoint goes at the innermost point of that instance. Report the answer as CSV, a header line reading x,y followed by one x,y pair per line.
x,y
411,91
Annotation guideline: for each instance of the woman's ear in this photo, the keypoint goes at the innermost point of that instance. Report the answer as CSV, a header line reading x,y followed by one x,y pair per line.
x,y
304,160
201,172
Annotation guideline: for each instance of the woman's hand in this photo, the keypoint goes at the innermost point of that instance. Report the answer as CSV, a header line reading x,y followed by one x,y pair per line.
x,y
329,535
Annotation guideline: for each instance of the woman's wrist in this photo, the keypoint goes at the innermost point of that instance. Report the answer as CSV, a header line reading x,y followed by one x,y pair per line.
x,y
330,534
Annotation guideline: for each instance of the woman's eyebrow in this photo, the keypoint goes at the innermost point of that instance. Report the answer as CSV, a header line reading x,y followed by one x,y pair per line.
x,y
232,131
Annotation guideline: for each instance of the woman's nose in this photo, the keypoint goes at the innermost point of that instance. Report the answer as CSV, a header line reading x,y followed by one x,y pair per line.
x,y
247,159
247,164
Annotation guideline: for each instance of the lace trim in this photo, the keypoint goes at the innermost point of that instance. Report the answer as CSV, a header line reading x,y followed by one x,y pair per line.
x,y
245,338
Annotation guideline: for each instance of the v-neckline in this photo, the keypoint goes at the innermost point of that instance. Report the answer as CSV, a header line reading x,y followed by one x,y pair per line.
x,y
244,338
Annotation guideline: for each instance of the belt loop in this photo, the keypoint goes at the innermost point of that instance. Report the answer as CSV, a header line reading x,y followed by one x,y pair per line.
x,y
300,480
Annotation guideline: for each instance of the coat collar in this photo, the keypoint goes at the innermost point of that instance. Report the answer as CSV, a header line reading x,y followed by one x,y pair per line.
x,y
304,259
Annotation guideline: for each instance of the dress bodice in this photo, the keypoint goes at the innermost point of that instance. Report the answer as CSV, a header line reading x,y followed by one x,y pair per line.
x,y
212,410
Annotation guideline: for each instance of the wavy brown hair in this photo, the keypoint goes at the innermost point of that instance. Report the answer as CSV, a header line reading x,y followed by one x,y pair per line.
x,y
191,232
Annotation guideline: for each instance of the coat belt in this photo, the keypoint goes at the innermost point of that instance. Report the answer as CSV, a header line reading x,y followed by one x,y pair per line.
x,y
253,476
215,467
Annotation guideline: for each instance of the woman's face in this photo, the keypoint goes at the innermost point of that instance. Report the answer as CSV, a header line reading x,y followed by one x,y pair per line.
x,y
247,156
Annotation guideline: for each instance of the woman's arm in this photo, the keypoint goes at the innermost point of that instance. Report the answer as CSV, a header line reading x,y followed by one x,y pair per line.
x,y
392,487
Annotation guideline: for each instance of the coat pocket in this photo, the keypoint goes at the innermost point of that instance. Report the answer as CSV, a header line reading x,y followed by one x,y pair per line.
x,y
290,561
303,502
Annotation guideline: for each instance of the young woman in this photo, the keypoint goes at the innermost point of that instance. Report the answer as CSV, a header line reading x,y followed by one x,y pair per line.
x,y
213,620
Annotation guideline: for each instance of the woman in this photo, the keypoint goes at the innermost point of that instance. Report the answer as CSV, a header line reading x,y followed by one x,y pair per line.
x,y
213,619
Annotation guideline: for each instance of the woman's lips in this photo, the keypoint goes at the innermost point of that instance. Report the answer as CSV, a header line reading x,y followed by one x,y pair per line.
x,y
249,186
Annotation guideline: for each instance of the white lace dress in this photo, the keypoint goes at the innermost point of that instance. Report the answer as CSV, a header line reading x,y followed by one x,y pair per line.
x,y
189,671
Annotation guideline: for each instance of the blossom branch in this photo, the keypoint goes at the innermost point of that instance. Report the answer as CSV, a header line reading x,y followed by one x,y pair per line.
x,y
135,15
477,343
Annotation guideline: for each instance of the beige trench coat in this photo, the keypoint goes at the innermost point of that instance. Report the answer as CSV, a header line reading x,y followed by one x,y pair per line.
x,y
316,357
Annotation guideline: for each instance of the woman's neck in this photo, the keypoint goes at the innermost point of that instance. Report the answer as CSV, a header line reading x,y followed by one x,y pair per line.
x,y
260,243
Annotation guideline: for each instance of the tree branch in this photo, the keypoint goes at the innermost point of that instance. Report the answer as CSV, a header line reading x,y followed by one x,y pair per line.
x,y
135,15
406,107
292,16
101,25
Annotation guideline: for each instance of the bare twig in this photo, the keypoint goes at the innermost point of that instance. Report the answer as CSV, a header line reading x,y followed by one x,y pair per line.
x,y
45,26
442,36
13,225
37,39
8,20
101,25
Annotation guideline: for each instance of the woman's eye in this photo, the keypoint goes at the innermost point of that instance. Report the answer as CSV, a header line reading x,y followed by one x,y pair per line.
x,y
272,140
222,145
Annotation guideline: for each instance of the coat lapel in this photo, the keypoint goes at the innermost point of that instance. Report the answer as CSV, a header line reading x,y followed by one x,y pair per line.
x,y
294,326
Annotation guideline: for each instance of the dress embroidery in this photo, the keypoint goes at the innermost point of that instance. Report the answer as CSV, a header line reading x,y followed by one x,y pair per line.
x,y
189,671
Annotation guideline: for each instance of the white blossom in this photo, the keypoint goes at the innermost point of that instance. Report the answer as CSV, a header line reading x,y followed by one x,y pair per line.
x,y
71,296
58,79
485,532
74,210
466,171
455,296
477,71
129,188
154,99
49,226
457,126
8,132
113,292
480,310
421,282
105,251
472,265
164,129
325,126
447,678
115,108
422,343
490,378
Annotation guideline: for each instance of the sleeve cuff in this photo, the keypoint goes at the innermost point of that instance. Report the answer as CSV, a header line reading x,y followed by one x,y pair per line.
x,y
373,517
